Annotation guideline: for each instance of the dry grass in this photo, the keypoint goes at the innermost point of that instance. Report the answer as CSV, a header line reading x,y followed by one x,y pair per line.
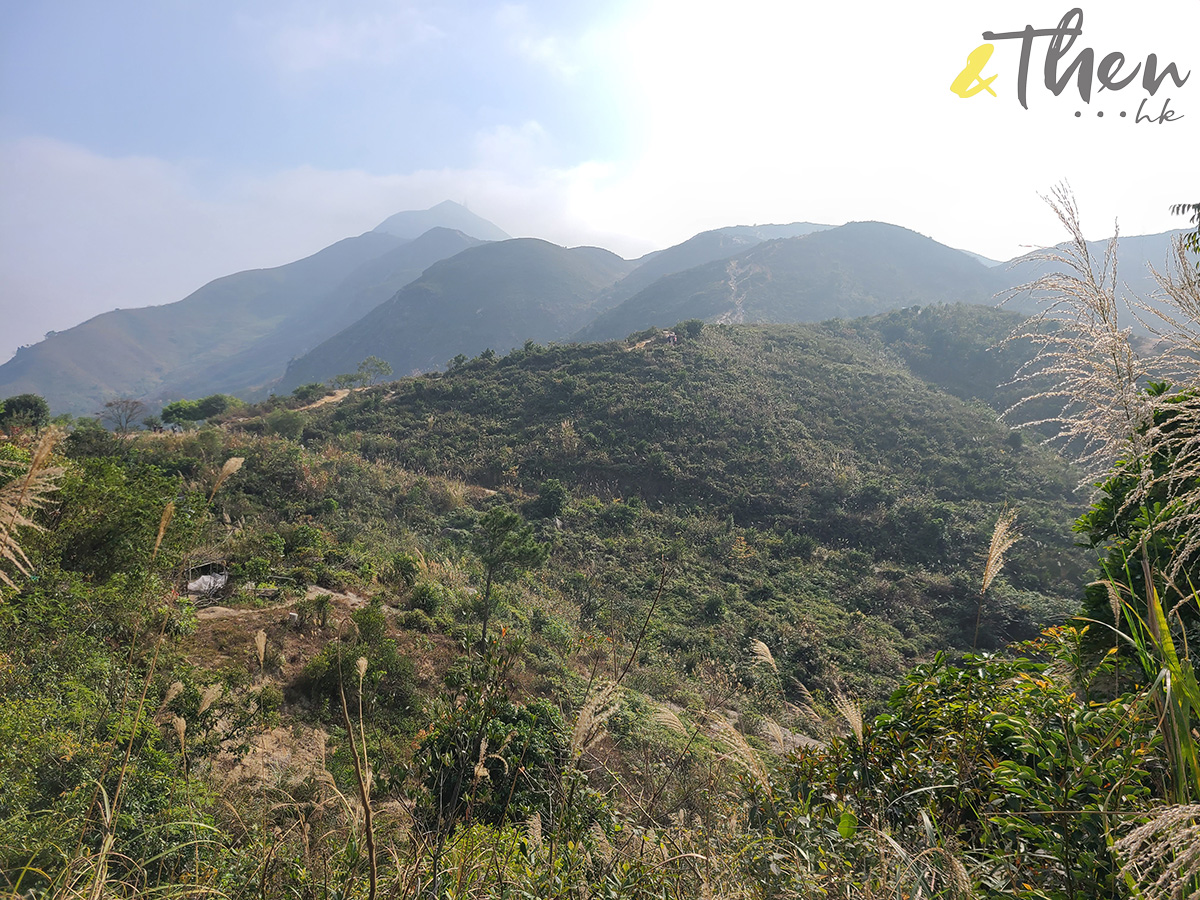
x,y
590,724
1163,855
20,498
1083,352
1094,370
737,749
1004,535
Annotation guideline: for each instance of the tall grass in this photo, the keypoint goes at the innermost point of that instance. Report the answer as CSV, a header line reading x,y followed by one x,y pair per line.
x,y
1139,415
22,497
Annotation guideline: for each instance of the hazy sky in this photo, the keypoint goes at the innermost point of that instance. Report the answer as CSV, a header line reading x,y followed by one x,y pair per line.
x,y
148,147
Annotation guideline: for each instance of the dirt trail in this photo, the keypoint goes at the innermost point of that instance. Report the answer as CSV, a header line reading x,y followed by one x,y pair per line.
x,y
328,398
349,600
737,274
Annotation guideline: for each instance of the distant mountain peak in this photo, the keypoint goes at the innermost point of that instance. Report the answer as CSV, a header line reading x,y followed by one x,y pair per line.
x,y
413,223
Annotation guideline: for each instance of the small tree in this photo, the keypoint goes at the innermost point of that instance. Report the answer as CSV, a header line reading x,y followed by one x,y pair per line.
x,y
25,411
286,422
215,405
506,547
1191,241
552,497
122,413
181,412
372,370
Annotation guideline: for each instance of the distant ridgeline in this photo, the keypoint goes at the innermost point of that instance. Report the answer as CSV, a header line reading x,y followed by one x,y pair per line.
x,y
419,290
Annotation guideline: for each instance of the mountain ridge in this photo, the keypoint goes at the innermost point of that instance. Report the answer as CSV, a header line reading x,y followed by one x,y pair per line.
x,y
497,295
234,334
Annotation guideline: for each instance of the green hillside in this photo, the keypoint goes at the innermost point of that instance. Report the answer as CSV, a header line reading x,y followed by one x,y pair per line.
x,y
494,296
812,434
254,369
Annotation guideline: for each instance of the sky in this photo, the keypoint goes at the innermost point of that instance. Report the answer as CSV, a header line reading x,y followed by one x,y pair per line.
x,y
149,147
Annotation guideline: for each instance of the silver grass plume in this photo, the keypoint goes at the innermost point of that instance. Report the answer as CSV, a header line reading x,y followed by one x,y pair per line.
x,y
666,718
1004,535
173,691
762,654
1177,434
232,465
808,705
533,831
1085,359
771,730
481,771
589,725
851,711
1163,855
22,496
211,695
737,749
167,514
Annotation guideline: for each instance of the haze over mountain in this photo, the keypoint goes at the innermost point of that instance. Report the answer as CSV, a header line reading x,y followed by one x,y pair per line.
x,y
695,251
413,223
495,296
235,334
858,269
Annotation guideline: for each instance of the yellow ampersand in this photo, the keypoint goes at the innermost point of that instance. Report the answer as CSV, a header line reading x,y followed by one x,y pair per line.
x,y
970,81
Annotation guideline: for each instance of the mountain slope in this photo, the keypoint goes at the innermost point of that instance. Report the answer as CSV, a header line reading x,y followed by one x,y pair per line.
x,y
134,352
237,333
496,295
356,295
720,243
818,435
857,269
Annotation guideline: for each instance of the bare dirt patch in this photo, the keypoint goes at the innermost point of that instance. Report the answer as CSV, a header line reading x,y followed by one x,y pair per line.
x,y
337,395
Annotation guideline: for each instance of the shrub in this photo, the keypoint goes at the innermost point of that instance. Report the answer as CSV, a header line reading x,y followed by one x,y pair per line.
x,y
307,393
428,597
286,423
